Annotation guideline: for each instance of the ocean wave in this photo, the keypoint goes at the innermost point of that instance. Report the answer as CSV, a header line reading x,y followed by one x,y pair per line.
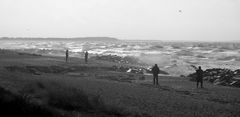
x,y
184,53
176,46
156,47
201,56
76,50
219,50
229,58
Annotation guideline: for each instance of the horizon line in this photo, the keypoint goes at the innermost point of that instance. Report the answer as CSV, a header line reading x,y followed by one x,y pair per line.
x,y
4,37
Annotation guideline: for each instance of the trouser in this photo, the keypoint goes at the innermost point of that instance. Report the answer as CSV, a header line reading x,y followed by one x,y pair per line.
x,y
155,79
66,58
201,82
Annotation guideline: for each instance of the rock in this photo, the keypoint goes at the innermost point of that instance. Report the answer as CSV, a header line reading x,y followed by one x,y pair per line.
x,y
219,83
129,71
135,70
215,81
148,70
117,59
123,69
237,72
235,83
237,78
213,78
218,76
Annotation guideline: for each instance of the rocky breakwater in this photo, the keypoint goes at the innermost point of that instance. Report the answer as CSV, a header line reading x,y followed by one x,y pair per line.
x,y
136,70
219,76
117,59
127,64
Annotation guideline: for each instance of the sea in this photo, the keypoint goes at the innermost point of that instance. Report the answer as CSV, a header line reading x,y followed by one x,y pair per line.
x,y
176,58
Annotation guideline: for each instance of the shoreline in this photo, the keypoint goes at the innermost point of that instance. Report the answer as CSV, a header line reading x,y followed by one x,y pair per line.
x,y
42,78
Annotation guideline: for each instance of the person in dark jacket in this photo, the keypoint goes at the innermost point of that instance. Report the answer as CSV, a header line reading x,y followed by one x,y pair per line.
x,y
155,72
66,56
86,56
199,77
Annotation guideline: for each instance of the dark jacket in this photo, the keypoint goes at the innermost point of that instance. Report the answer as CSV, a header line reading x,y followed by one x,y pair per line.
x,y
199,74
155,70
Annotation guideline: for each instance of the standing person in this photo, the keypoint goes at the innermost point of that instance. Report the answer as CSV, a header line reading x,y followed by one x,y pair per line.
x,y
155,72
199,78
86,56
66,55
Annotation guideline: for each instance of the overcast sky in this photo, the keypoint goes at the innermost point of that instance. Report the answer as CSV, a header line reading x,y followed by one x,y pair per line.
x,y
206,20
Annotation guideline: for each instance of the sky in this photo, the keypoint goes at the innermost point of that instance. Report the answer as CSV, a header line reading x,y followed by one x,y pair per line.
x,y
190,20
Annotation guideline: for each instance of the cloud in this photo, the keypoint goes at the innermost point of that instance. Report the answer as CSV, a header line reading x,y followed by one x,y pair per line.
x,y
130,19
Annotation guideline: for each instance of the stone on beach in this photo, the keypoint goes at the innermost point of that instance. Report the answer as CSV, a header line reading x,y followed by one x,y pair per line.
x,y
219,76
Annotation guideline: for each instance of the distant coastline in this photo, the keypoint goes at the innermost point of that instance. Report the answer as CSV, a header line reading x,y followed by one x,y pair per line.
x,y
61,39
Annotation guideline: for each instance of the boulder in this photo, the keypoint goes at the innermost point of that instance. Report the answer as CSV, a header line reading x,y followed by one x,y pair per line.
x,y
135,70
235,83
218,82
219,76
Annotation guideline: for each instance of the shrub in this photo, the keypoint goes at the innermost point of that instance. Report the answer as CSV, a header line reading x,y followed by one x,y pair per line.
x,y
14,105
